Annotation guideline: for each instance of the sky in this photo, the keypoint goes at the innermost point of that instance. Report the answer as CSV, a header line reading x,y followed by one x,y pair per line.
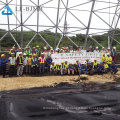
x,y
77,15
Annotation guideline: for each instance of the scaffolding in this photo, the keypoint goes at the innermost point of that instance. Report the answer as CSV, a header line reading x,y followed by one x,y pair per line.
x,y
65,12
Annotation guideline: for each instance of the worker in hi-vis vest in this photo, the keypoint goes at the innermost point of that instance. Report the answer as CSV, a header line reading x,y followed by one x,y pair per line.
x,y
41,64
20,64
12,65
34,65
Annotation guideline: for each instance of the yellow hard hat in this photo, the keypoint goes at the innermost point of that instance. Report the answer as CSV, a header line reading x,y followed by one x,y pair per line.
x,y
45,48
33,47
98,63
27,47
34,54
95,59
2,55
103,53
87,59
75,63
91,61
13,47
30,54
37,46
62,62
62,47
57,63
51,47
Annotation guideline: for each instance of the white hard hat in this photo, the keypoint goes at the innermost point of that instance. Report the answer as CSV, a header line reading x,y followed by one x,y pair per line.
x,y
108,47
108,53
96,47
102,47
12,53
114,47
20,53
24,54
42,53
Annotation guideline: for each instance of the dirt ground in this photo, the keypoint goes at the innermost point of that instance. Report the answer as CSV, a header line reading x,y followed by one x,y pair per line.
x,y
24,82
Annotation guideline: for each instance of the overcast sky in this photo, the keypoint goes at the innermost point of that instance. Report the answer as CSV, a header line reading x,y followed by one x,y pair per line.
x,y
82,12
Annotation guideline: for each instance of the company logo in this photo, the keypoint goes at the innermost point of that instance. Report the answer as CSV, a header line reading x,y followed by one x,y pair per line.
x,y
7,11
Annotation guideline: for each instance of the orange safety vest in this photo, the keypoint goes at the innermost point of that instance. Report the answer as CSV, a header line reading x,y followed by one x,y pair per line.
x,y
42,60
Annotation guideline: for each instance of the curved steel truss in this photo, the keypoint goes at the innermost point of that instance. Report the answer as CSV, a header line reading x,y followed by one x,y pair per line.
x,y
67,17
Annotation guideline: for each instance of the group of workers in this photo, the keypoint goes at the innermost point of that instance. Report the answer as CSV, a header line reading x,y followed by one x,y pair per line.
x,y
36,62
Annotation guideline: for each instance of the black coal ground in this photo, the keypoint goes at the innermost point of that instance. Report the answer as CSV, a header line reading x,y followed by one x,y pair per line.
x,y
57,103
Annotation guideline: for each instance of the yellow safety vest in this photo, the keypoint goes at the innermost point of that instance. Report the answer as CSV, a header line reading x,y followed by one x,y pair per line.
x,y
109,60
62,66
66,66
29,61
106,66
103,59
20,62
42,60
57,67
12,61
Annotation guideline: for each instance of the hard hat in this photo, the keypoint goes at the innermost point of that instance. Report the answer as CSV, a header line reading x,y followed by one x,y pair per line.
x,y
2,55
12,53
42,53
34,54
103,53
112,61
102,47
108,53
62,62
83,46
96,47
30,54
91,61
51,47
37,46
62,47
24,54
27,47
101,62
90,47
11,49
87,59
33,47
108,47
57,63
114,47
95,59
48,55
20,53
45,48
71,46
75,63
88,62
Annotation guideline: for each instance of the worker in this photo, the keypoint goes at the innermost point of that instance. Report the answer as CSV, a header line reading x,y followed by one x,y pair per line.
x,y
113,68
83,69
34,65
62,69
101,68
3,65
48,63
11,51
20,64
33,51
83,50
113,54
52,68
76,68
37,48
103,57
89,68
61,51
103,50
108,51
25,64
71,69
38,51
27,51
109,59
12,65
45,53
78,64
19,51
41,64
57,69
71,49
29,63
95,65
90,49
66,66
96,50
87,60
106,67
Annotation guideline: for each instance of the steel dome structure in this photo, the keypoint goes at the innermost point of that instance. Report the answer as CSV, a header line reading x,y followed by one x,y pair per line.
x,y
67,17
